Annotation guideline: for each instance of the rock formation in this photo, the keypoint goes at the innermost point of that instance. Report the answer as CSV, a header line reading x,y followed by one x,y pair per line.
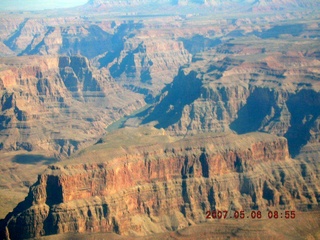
x,y
149,64
167,185
50,92
234,98
278,95
125,50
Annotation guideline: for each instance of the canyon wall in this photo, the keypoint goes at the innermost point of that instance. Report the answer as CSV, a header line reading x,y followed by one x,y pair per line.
x,y
44,100
140,55
163,186
278,94
63,80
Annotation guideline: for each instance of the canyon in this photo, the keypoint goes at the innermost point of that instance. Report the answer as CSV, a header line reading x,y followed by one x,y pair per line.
x,y
221,95
49,92
167,185
133,119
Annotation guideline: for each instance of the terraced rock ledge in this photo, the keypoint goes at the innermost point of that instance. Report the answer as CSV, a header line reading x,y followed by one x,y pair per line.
x,y
147,182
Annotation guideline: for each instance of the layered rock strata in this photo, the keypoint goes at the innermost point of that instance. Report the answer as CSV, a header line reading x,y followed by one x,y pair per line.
x,y
141,189
278,94
139,54
45,101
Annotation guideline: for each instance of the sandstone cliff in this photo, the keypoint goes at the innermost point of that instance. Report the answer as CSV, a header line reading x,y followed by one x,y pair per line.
x,y
147,63
57,103
278,94
167,185
247,73
139,54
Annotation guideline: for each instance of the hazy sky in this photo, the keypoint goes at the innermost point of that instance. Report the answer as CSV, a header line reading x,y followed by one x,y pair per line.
x,y
38,4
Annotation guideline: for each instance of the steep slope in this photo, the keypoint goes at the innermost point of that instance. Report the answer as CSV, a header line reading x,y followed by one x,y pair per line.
x,y
149,64
52,36
143,54
128,49
57,103
165,185
249,72
278,94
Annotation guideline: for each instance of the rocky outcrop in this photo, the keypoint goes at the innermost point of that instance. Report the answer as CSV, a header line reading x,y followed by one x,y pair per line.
x,y
49,92
148,63
255,75
143,55
58,36
279,95
163,186
139,60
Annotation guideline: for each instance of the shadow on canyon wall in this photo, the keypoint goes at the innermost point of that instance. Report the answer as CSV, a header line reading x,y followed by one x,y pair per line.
x,y
33,159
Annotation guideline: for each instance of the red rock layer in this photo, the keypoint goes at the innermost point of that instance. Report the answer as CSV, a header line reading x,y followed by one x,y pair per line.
x,y
63,96
164,187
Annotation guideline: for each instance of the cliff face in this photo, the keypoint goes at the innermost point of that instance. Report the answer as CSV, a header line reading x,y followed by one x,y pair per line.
x,y
149,64
144,54
274,95
164,187
139,54
53,36
68,78
49,92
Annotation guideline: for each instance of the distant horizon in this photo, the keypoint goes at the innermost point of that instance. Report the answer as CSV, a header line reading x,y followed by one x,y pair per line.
x,y
35,5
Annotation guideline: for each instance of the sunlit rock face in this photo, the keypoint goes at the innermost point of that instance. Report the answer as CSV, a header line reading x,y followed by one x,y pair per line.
x,y
270,95
234,99
50,92
166,185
